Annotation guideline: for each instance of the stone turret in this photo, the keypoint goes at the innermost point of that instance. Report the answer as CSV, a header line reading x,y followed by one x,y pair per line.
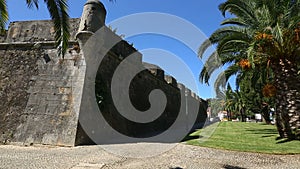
x,y
92,19
93,16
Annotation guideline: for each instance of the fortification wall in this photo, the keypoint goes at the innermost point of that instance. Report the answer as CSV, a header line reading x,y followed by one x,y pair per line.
x,y
37,87
143,83
140,87
44,96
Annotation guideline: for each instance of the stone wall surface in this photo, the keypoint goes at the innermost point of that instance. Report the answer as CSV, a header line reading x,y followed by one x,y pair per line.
x,y
50,117
39,92
140,88
17,67
34,31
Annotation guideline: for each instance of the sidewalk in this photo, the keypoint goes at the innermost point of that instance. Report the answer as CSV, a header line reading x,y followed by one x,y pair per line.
x,y
181,156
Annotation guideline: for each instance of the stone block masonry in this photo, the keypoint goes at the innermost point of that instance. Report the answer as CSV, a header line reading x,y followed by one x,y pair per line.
x,y
16,72
36,31
50,116
37,88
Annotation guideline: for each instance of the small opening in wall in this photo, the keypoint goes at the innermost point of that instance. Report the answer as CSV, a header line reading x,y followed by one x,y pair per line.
x,y
46,58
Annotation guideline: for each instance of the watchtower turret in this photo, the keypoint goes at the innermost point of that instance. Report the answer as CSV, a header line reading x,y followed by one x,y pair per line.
x,y
92,19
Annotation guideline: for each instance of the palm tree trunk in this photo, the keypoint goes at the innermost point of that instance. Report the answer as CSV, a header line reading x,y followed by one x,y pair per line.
x,y
266,114
287,98
279,125
243,114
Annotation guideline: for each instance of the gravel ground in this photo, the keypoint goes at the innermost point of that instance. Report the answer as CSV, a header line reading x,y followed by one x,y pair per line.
x,y
180,156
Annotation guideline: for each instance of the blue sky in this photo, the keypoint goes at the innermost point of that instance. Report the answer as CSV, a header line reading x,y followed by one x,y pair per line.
x,y
203,14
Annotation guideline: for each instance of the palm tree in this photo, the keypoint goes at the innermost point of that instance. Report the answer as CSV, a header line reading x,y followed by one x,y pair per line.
x,y
235,103
264,34
58,10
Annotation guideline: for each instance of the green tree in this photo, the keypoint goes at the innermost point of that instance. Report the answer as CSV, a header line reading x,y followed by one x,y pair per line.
x,y
263,34
235,104
251,86
216,105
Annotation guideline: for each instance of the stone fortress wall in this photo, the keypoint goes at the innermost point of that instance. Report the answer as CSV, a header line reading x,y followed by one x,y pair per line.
x,y
36,86
41,94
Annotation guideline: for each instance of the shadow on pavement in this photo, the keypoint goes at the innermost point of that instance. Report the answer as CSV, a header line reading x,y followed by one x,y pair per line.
x,y
232,167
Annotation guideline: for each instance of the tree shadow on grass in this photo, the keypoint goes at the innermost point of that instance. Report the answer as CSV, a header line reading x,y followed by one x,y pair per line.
x,y
284,140
262,131
272,135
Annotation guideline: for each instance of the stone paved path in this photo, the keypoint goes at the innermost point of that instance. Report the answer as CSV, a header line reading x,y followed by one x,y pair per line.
x,y
181,156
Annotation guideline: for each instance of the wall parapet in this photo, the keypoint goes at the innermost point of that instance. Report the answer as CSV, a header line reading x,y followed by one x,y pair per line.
x,y
32,45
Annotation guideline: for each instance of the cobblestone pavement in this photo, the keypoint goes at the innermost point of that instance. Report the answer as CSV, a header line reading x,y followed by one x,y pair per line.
x,y
181,156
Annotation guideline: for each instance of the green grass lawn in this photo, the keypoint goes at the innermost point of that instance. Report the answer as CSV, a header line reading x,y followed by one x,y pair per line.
x,y
238,136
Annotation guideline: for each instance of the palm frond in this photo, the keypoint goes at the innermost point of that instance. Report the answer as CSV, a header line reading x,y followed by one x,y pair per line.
x,y
220,33
278,33
3,14
204,46
239,8
230,57
234,21
204,77
213,63
59,13
232,39
31,3
223,77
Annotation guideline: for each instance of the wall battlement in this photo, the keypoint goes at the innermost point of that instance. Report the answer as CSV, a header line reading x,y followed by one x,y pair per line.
x,y
43,96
